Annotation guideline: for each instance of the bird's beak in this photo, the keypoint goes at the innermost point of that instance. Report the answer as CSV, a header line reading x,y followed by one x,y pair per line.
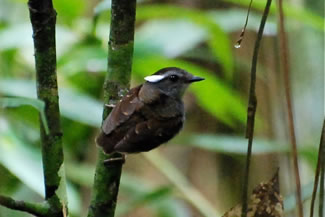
x,y
195,79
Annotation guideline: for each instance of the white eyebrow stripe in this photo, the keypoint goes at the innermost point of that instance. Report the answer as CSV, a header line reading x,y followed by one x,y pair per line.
x,y
154,78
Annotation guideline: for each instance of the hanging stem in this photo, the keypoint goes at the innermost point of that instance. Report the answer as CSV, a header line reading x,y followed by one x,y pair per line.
x,y
284,58
242,34
120,54
252,105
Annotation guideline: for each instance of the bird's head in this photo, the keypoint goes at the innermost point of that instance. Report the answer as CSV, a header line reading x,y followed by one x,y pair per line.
x,y
172,81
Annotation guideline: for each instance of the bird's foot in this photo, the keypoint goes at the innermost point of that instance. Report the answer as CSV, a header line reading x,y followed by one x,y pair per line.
x,y
110,105
115,160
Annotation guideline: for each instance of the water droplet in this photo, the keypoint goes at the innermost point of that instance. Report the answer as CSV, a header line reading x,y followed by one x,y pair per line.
x,y
237,45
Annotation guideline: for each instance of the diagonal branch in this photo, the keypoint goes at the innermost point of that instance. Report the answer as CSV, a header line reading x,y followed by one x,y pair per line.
x,y
252,105
120,54
322,175
320,163
32,208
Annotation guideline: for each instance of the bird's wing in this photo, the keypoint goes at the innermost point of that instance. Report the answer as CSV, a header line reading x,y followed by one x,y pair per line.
x,y
123,110
149,134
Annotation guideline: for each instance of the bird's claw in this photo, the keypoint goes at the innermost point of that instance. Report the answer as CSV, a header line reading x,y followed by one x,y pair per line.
x,y
114,160
110,105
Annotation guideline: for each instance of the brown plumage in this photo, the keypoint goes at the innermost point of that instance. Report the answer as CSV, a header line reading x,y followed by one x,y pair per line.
x,y
148,115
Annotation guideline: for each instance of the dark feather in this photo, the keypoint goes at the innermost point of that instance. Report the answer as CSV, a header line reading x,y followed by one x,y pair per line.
x,y
141,122
123,110
148,135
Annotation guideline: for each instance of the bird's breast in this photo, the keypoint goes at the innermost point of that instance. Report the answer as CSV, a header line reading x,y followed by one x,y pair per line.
x,y
166,109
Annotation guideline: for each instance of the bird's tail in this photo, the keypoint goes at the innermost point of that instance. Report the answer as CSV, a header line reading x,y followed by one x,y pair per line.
x,y
101,141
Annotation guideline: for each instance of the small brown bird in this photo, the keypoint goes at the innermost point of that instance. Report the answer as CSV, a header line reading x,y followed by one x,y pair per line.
x,y
148,115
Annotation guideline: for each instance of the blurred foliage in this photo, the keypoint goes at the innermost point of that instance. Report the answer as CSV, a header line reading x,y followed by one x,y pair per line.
x,y
6,102
188,36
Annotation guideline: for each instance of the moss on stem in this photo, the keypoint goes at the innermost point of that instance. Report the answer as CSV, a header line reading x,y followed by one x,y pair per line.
x,y
120,53
43,19
32,208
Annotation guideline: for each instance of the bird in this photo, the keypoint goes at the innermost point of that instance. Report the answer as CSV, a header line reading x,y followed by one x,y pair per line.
x,y
148,115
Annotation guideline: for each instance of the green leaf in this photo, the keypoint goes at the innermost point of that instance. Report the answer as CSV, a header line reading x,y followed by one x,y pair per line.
x,y
233,144
105,5
102,6
155,195
310,154
147,198
83,58
80,107
20,101
140,192
289,201
11,38
190,193
82,174
300,14
217,38
231,20
166,37
172,208
21,88
69,10
73,105
23,162
74,197
238,145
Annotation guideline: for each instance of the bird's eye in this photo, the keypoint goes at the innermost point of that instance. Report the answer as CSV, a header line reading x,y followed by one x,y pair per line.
x,y
173,78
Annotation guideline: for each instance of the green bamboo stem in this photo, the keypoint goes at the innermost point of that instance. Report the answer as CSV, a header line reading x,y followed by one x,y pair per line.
x,y
120,54
43,19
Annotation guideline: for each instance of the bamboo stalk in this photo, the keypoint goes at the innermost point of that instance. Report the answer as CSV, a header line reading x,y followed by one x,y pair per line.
x,y
120,54
43,19
252,106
